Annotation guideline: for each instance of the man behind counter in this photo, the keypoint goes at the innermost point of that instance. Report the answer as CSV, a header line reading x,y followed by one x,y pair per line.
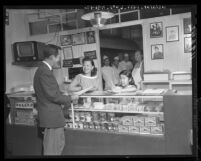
x,y
49,100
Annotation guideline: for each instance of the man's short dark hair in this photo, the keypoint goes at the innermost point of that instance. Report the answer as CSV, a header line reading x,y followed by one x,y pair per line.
x,y
51,49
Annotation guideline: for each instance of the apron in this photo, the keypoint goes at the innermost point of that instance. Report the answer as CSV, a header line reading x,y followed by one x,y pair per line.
x,y
136,75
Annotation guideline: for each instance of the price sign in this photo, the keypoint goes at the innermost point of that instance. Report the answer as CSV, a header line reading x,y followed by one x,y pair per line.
x,y
67,63
90,54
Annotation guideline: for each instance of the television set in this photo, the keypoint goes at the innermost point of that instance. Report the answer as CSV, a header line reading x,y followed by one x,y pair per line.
x,y
28,51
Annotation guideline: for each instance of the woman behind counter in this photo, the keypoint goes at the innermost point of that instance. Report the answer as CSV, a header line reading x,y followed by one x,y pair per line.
x,y
138,69
86,81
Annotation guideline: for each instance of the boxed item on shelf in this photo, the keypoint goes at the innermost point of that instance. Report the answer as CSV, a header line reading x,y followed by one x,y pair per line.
x,y
157,130
127,120
134,129
132,106
123,128
150,121
138,121
98,105
124,107
103,116
117,107
76,125
109,106
95,116
145,130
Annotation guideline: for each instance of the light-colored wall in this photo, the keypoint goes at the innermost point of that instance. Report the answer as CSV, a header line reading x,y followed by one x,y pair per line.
x,y
174,57
15,31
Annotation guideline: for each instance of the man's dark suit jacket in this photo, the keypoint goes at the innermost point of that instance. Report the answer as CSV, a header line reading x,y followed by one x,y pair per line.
x,y
49,98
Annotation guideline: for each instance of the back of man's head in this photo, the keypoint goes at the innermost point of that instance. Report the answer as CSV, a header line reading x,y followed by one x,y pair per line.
x,y
50,50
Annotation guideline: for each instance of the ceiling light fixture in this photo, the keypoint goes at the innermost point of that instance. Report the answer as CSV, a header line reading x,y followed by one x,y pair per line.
x,y
97,18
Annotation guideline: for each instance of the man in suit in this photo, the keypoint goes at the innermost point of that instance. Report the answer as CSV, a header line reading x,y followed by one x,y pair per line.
x,y
49,100
157,54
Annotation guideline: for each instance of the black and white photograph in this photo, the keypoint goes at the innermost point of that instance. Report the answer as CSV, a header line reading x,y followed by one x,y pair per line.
x,y
66,40
187,25
187,44
111,80
91,37
68,52
79,38
172,33
156,29
157,51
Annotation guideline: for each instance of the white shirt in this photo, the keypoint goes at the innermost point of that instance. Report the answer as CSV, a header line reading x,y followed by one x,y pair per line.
x,y
47,65
125,65
116,74
108,76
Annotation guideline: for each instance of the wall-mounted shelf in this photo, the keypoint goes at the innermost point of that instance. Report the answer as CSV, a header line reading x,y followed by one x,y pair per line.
x,y
27,64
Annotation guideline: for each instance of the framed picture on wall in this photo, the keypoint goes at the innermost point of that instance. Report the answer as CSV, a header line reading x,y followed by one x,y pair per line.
x,y
90,54
65,40
157,51
68,53
90,37
172,33
187,25
187,44
156,29
79,38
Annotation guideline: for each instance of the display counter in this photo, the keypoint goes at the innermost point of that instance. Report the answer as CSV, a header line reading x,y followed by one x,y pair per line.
x,y
176,139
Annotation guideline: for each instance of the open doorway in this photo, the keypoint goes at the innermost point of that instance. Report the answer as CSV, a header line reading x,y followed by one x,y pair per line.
x,y
119,42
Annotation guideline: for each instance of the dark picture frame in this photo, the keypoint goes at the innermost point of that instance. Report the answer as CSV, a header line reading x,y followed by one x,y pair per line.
x,y
172,33
157,51
156,29
90,54
90,35
187,44
187,25
67,53
79,38
65,40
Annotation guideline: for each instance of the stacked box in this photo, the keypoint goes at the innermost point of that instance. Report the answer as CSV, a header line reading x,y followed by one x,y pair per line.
x,y
150,121
157,130
123,128
145,130
127,120
138,121
134,129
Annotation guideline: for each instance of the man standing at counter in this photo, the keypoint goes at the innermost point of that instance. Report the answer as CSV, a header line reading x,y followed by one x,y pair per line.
x,y
49,100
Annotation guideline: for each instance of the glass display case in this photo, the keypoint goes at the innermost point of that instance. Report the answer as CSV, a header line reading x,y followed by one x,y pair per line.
x,y
118,113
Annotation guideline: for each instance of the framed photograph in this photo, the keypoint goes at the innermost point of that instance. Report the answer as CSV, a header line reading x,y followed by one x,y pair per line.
x,y
187,25
90,54
79,38
90,37
157,51
156,29
187,44
68,53
172,33
66,40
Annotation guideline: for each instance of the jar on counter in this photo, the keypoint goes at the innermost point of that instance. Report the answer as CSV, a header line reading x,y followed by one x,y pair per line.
x,y
76,116
110,117
88,117
82,116
96,125
103,117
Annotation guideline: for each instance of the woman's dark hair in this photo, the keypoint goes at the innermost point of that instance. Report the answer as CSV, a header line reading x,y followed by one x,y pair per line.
x,y
129,75
94,70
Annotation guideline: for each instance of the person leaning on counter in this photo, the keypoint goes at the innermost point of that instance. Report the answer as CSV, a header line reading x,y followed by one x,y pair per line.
x,y
49,100
88,80
138,70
